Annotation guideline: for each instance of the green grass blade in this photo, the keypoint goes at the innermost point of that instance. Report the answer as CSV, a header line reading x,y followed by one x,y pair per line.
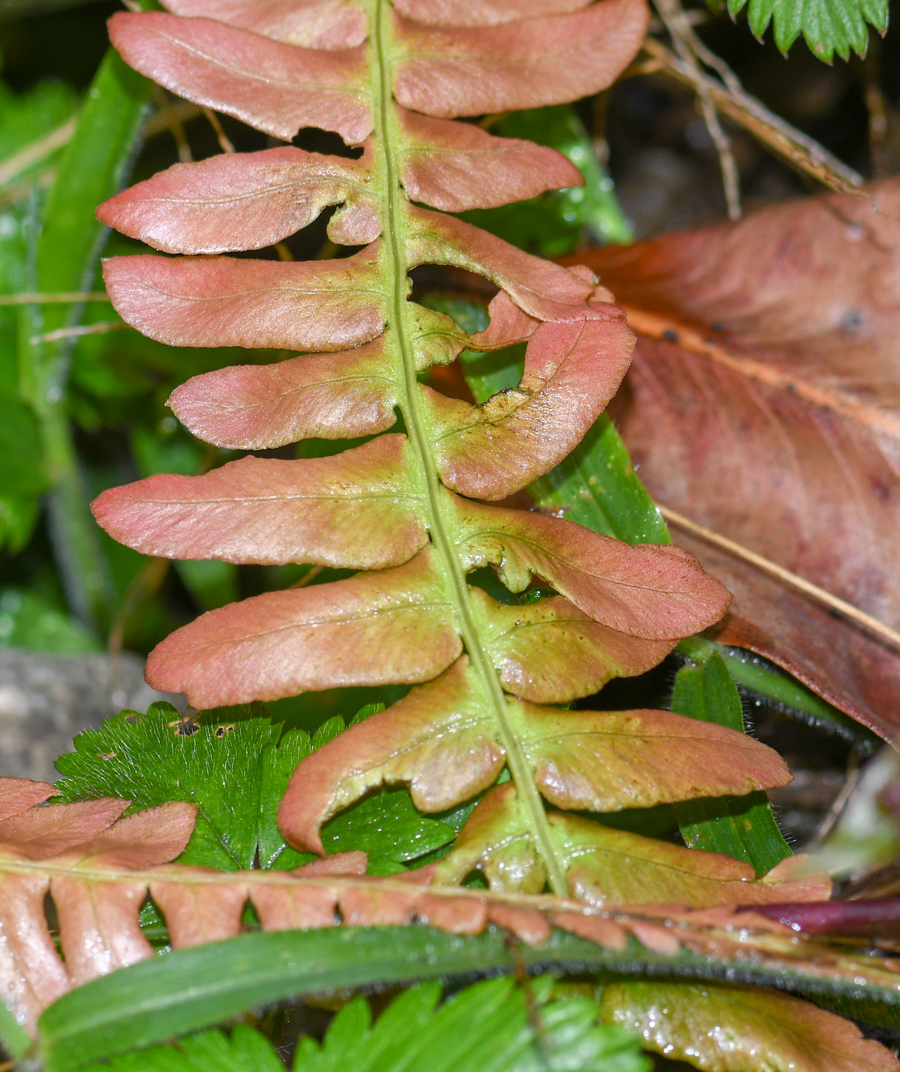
x,y
91,169
742,827
596,486
191,989
761,680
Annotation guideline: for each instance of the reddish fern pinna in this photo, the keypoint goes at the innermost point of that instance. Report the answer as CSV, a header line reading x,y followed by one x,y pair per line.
x,y
97,867
409,509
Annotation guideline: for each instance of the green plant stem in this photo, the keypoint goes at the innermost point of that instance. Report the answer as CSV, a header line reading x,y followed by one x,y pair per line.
x,y
91,169
440,522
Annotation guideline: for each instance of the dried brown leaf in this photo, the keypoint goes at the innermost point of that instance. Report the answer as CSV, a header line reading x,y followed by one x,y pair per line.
x,y
768,351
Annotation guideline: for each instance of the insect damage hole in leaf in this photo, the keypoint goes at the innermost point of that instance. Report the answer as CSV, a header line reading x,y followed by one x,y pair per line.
x,y
400,506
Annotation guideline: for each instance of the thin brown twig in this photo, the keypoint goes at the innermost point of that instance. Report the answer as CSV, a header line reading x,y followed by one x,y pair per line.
x,y
792,145
102,327
310,575
215,123
182,111
730,174
145,584
37,151
710,59
172,122
838,805
877,107
686,45
833,602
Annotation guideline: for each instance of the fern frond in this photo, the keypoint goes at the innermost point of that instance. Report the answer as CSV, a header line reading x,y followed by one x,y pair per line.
x,y
98,865
404,509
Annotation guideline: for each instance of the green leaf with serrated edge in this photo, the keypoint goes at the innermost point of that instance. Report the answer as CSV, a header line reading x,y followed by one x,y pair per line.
x,y
727,1029
242,1050
743,827
484,1028
236,770
195,988
829,27
157,757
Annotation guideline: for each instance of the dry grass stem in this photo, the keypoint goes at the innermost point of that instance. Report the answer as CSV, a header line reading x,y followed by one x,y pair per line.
x,y
767,566
224,141
100,328
37,151
171,121
800,151
688,46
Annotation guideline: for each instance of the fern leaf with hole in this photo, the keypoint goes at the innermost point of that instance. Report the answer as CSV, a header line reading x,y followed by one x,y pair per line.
x,y
407,509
